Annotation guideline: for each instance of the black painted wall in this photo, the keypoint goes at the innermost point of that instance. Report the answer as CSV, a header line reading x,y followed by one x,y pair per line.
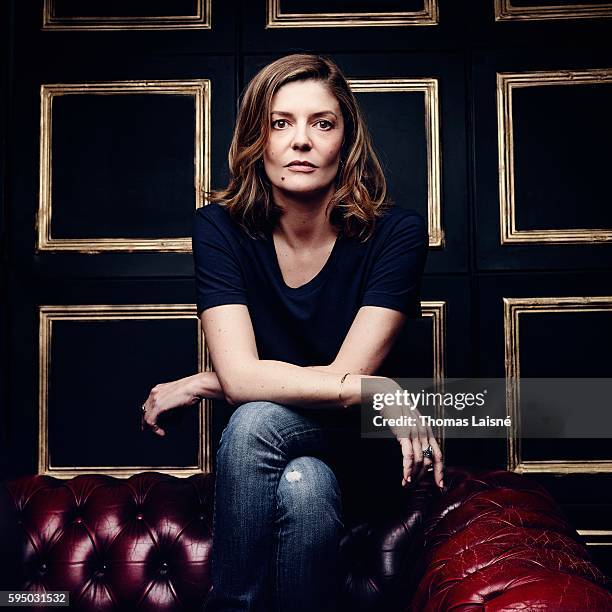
x,y
122,168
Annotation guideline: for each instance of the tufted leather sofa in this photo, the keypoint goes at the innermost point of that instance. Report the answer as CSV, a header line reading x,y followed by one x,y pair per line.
x,y
491,541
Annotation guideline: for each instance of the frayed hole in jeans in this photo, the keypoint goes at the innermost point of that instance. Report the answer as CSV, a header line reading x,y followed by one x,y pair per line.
x,y
293,476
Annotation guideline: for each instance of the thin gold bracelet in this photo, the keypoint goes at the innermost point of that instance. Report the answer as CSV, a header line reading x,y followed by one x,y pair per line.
x,y
340,392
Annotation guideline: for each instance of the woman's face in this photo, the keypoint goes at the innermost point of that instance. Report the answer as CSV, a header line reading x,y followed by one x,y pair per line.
x,y
306,125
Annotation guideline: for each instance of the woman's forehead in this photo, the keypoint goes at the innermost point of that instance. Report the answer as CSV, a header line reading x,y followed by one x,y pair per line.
x,y
306,95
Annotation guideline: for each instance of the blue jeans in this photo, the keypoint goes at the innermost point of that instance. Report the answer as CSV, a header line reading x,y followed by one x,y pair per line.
x,y
277,516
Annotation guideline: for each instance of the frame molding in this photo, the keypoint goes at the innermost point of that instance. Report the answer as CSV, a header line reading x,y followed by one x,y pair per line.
x,y
436,310
201,20
504,11
506,83
49,314
200,90
513,309
596,533
429,87
275,18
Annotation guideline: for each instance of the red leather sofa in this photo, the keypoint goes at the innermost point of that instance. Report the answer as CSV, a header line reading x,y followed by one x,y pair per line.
x,y
490,541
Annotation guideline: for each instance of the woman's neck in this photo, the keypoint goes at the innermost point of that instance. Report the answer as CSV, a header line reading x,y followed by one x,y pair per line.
x,y
304,222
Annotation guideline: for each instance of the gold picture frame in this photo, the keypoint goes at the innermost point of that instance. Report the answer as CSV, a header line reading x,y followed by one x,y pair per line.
x,y
49,314
514,308
199,89
200,21
505,11
277,19
598,536
429,88
436,311
507,82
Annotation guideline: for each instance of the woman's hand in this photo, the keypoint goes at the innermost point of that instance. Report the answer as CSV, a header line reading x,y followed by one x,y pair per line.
x,y
166,396
410,430
414,440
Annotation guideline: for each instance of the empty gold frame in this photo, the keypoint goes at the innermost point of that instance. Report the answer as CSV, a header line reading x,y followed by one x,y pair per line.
x,y
200,90
47,316
504,11
201,20
506,84
429,88
277,19
514,308
597,536
436,311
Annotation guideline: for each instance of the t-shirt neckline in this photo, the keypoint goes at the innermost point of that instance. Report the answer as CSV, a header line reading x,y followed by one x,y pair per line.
x,y
315,280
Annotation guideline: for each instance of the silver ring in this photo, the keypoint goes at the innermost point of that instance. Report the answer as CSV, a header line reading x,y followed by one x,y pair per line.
x,y
143,409
428,452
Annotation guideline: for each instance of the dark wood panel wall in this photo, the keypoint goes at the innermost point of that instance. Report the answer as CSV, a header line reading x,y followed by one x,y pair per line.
x,y
491,118
6,46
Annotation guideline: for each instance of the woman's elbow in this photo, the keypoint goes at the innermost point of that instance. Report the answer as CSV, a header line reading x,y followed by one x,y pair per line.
x,y
234,391
228,394
229,399
238,382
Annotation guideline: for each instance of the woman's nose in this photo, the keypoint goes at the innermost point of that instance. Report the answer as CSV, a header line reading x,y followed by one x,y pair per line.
x,y
301,140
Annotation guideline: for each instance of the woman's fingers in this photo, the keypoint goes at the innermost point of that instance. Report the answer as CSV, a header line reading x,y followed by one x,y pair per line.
x,y
438,464
425,444
437,461
414,440
420,439
407,459
143,413
426,463
167,396
418,456
149,416
415,464
151,422
158,430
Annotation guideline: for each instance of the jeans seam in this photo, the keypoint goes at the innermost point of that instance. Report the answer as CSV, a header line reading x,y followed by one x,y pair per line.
x,y
277,531
290,436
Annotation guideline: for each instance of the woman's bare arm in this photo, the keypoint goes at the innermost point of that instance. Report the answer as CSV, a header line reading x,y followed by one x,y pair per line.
x,y
367,343
231,341
244,377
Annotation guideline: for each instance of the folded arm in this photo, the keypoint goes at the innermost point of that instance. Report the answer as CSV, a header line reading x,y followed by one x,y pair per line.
x,y
240,376
368,341
243,377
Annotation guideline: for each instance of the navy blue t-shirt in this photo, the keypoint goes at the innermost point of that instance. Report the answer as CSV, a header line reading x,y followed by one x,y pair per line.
x,y
307,325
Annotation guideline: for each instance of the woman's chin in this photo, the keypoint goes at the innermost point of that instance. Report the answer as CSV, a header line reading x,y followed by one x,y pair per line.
x,y
301,189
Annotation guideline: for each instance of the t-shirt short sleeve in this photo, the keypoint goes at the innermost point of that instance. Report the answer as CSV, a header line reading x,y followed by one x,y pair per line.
x,y
395,278
218,274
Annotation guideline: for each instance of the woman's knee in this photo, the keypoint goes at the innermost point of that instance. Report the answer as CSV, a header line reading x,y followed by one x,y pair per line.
x,y
252,418
253,429
308,489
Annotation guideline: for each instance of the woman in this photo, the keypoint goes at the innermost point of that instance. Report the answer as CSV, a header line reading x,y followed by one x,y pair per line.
x,y
300,261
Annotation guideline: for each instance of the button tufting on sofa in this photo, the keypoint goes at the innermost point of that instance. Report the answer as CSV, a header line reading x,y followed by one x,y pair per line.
x,y
490,541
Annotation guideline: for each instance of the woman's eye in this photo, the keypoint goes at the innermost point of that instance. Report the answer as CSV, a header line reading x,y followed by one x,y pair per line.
x,y
282,124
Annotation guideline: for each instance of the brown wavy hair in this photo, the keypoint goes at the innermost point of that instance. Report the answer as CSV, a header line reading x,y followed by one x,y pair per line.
x,y
361,190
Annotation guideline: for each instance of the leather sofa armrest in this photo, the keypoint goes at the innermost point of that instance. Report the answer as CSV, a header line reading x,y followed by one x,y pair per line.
x,y
498,541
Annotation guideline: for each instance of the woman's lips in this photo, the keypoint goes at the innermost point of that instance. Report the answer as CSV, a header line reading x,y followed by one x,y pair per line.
x,y
297,168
